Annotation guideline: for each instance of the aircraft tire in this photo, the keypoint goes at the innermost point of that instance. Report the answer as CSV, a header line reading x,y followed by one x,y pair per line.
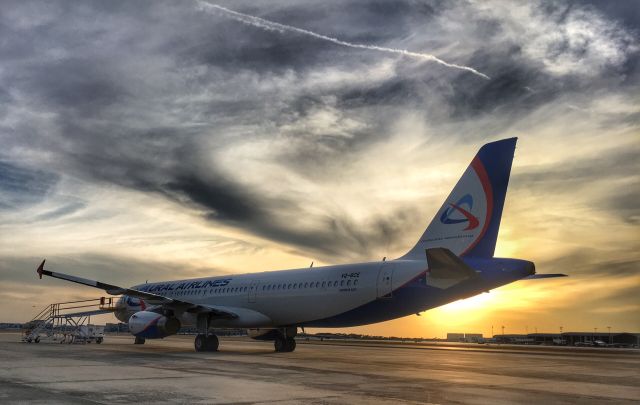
x,y
200,342
211,343
291,344
37,339
280,344
138,341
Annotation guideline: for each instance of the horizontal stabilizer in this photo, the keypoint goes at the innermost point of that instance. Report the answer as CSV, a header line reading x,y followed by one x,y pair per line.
x,y
535,276
444,264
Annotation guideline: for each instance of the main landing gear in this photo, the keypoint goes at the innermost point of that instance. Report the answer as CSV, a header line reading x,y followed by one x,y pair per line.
x,y
284,344
138,341
206,343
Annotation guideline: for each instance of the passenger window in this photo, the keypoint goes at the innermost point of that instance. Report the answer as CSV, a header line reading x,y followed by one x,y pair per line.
x,y
348,282
306,285
289,287
355,282
335,283
341,283
323,283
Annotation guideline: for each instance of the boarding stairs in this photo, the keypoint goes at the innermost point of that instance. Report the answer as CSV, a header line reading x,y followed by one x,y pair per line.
x,y
68,322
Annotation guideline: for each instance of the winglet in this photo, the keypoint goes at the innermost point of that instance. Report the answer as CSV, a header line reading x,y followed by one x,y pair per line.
x,y
40,268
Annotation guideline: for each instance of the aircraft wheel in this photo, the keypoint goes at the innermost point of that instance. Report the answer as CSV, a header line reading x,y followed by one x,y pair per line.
x,y
291,344
37,339
98,340
280,344
200,342
212,343
138,341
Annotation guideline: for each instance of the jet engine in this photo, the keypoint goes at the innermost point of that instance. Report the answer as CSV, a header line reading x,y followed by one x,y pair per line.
x,y
150,325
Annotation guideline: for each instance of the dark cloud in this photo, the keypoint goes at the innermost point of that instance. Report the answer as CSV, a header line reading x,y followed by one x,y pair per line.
x,y
567,176
225,200
590,264
21,186
625,12
624,203
85,86
146,95
114,269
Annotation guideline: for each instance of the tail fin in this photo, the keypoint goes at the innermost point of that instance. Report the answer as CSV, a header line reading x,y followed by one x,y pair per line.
x,y
468,221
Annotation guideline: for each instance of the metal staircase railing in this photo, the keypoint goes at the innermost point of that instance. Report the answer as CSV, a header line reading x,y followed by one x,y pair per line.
x,y
62,321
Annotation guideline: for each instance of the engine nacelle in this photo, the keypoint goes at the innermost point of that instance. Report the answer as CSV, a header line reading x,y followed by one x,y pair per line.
x,y
150,325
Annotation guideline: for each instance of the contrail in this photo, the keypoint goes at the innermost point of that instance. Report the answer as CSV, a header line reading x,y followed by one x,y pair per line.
x,y
274,26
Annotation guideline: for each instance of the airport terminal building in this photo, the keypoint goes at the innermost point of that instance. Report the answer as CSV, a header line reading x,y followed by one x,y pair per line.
x,y
620,339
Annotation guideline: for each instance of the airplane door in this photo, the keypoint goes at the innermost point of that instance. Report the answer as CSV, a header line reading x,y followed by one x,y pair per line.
x,y
253,290
385,281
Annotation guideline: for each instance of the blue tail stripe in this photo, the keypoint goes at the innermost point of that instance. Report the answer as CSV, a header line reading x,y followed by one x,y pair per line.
x,y
496,157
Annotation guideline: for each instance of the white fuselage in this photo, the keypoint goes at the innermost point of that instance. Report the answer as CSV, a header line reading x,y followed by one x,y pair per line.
x,y
288,297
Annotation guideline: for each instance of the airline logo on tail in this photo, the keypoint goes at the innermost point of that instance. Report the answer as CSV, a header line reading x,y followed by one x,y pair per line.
x,y
467,223
456,214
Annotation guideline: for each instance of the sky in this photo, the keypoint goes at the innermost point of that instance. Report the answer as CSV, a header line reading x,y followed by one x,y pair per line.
x,y
161,140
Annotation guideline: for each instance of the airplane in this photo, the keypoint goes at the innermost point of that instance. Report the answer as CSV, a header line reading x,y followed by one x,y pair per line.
x,y
452,260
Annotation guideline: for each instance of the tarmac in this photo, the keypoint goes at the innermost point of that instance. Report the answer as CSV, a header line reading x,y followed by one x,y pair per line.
x,y
246,371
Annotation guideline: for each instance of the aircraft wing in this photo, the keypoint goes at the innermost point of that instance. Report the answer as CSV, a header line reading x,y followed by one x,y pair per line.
x,y
149,298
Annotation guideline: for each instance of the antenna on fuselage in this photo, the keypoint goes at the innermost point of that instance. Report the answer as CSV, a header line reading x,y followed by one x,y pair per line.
x,y
384,259
311,265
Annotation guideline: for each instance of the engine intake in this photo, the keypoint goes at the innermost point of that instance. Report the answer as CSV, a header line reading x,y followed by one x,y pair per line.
x,y
150,325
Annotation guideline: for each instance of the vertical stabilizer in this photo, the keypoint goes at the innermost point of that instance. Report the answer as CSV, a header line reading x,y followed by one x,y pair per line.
x,y
467,223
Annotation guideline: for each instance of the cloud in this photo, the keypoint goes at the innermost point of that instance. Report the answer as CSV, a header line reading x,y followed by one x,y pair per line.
x,y
270,25
21,186
155,131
